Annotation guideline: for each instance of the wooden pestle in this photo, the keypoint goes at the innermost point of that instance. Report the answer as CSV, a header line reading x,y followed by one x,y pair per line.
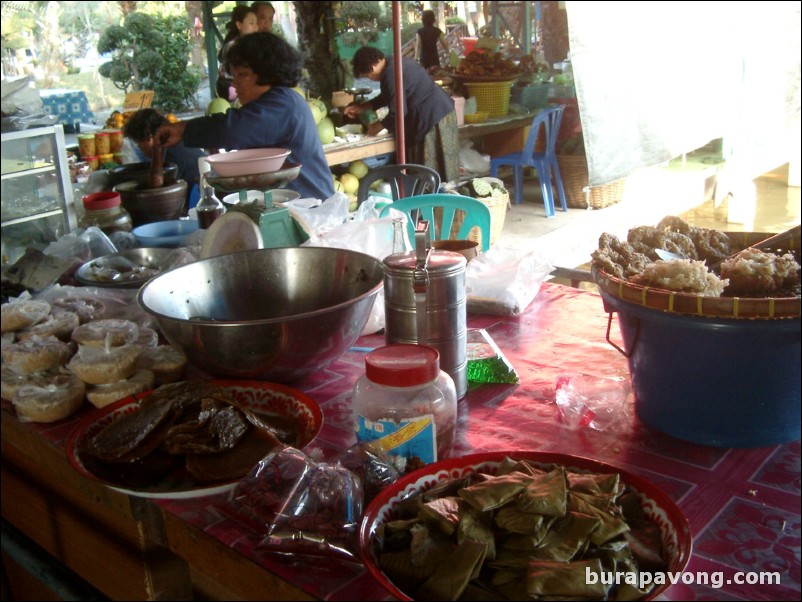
x,y
157,164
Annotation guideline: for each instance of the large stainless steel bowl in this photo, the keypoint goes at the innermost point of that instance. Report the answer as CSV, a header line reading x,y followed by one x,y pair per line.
x,y
271,314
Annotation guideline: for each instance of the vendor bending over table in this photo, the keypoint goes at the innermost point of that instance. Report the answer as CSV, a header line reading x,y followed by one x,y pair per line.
x,y
430,120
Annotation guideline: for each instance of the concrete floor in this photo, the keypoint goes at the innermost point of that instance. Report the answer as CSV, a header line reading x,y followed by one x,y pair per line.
x,y
568,239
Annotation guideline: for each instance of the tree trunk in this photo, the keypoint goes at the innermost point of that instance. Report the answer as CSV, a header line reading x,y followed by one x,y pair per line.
x,y
50,45
195,11
441,15
468,19
554,25
127,8
317,38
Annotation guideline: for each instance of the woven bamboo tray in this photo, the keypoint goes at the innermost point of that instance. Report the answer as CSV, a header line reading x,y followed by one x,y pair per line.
x,y
720,307
574,173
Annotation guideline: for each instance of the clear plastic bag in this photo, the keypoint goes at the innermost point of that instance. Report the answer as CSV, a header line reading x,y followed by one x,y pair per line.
x,y
505,280
599,403
301,506
315,218
372,236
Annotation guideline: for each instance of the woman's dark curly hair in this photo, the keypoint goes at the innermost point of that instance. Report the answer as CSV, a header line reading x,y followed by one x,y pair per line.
x,y
365,58
143,124
272,59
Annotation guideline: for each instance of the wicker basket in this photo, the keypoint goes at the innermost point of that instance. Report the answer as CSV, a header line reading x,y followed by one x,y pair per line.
x,y
491,97
719,307
498,213
574,172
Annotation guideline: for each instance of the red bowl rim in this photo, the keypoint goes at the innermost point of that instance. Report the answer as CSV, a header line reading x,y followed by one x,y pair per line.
x,y
307,403
475,461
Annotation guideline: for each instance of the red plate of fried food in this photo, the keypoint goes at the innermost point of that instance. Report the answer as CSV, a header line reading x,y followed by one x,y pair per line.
x,y
522,524
190,439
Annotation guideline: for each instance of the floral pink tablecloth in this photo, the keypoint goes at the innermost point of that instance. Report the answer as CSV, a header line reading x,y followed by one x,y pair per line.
x,y
743,505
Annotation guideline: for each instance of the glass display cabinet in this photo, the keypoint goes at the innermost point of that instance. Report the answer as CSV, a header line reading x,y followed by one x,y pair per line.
x,y
37,197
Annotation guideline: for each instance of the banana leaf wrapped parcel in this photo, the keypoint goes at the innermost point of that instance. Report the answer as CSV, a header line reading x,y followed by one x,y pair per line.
x,y
524,533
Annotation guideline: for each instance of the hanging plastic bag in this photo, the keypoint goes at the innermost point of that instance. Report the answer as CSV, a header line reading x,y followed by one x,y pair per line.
x,y
372,236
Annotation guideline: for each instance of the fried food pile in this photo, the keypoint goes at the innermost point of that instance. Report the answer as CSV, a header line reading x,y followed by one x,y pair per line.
x,y
487,64
190,424
751,273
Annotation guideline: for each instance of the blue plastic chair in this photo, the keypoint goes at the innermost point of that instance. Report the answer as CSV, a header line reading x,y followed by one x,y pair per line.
x,y
544,162
476,213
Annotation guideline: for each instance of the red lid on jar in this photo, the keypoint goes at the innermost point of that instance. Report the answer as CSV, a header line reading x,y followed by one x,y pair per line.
x,y
402,365
101,200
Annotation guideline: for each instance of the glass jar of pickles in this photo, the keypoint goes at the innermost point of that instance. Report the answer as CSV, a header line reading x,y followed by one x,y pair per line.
x,y
86,145
115,141
102,143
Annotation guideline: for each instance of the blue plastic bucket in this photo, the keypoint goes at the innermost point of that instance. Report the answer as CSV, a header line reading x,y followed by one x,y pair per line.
x,y
717,381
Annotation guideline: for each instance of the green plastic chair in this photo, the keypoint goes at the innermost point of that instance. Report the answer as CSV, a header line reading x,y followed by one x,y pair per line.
x,y
421,207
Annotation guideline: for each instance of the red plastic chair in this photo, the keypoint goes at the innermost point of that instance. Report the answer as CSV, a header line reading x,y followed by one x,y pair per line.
x,y
545,162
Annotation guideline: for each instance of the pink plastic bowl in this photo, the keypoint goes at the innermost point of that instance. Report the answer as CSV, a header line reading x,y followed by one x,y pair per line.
x,y
248,162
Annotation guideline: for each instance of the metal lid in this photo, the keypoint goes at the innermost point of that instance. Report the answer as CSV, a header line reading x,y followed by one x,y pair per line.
x,y
402,365
438,261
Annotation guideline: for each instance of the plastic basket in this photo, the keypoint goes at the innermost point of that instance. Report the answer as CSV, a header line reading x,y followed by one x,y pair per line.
x,y
491,97
574,173
378,160
533,96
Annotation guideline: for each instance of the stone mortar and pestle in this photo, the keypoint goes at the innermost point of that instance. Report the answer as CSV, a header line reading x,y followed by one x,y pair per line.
x,y
154,201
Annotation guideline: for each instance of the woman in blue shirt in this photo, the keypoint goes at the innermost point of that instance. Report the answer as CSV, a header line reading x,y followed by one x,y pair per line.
x,y
273,115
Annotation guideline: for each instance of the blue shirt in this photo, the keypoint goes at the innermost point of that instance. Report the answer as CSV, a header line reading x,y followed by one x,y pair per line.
x,y
279,118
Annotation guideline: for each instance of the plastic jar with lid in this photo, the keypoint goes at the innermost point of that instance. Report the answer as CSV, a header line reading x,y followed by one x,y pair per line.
x,y
105,210
406,403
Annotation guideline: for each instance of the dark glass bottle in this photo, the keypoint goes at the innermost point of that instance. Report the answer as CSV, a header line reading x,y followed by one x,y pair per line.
x,y
209,208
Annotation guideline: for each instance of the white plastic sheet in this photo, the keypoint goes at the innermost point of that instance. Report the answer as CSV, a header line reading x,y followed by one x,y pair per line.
x,y
655,80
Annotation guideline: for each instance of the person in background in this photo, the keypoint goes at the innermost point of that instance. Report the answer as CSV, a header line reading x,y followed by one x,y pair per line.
x,y
141,128
272,115
243,21
426,40
264,15
430,121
